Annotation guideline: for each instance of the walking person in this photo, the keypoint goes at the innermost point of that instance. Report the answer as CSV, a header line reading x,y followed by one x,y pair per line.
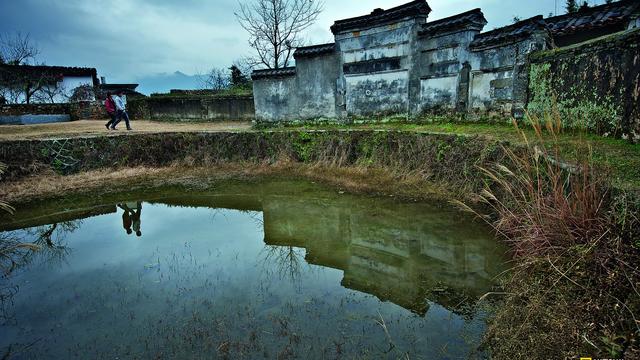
x,y
110,106
121,107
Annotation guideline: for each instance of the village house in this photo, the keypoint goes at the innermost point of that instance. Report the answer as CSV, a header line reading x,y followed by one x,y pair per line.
x,y
397,63
21,84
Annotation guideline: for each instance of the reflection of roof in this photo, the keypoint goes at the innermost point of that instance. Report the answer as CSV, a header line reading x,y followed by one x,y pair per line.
x,y
381,17
594,17
471,19
51,71
314,50
509,34
259,74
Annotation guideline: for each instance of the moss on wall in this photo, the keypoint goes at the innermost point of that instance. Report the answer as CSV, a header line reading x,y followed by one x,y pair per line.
x,y
596,85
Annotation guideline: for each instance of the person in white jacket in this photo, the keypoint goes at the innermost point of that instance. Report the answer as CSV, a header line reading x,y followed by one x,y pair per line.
x,y
121,109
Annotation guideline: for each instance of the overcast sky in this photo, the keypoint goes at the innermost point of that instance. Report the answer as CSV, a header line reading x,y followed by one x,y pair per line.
x,y
127,40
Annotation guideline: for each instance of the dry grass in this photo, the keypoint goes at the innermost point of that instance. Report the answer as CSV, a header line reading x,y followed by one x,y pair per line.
x,y
353,179
4,206
543,204
574,290
96,128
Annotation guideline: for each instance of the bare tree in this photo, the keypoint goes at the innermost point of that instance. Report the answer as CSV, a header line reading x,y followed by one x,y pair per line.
x,y
274,27
52,94
215,79
17,49
25,85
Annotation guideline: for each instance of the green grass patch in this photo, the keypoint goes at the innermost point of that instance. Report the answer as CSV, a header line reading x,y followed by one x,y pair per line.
x,y
619,158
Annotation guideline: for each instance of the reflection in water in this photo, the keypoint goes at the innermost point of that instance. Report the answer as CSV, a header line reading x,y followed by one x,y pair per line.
x,y
131,217
406,254
295,270
46,242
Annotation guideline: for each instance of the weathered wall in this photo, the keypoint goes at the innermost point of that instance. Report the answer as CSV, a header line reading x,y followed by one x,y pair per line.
x,y
193,108
499,77
377,68
316,79
597,84
440,63
276,98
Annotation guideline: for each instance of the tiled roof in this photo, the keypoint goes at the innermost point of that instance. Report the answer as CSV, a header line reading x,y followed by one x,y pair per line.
x,y
380,16
314,50
595,17
509,34
259,74
470,19
118,86
50,71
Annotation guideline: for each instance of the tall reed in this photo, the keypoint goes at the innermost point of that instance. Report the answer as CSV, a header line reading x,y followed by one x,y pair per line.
x,y
543,204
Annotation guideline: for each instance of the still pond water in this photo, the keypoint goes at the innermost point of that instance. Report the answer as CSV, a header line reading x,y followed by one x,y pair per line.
x,y
283,269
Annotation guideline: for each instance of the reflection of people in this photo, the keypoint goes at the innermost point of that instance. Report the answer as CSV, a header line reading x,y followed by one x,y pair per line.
x,y
135,216
126,218
131,218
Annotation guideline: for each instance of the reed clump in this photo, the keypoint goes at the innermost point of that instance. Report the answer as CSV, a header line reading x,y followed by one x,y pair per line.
x,y
573,289
543,204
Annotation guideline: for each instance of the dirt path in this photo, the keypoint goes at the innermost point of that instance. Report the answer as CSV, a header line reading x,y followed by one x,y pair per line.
x,y
96,127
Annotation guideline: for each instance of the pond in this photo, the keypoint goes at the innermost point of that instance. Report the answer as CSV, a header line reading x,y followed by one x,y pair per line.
x,y
277,269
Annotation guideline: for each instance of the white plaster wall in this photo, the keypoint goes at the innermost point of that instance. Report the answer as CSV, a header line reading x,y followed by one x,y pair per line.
x,y
480,88
380,93
442,54
439,91
69,83
380,52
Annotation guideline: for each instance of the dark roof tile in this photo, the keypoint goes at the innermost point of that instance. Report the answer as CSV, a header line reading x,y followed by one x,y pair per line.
x,y
51,71
381,17
509,34
314,50
598,16
267,73
473,19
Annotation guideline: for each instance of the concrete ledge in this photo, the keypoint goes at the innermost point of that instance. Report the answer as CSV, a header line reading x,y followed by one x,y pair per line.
x,y
30,119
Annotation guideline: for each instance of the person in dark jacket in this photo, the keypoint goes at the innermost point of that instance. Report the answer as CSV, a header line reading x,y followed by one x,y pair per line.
x,y
110,106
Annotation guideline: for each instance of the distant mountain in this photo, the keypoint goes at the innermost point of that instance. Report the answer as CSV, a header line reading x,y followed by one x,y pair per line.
x,y
163,82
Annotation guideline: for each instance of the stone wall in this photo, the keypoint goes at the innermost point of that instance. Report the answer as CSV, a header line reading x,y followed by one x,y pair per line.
x,y
597,84
193,108
88,110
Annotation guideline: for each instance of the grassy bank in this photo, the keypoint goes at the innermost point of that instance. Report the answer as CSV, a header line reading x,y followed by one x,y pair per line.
x,y
620,159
